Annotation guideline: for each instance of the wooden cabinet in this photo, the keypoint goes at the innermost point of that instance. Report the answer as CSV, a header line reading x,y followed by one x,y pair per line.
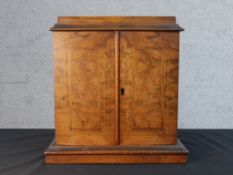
x,y
116,90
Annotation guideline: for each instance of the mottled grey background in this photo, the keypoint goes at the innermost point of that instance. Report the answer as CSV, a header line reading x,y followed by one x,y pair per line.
x,y
206,66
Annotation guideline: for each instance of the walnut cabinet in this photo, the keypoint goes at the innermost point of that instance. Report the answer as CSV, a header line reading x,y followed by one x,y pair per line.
x,y
116,90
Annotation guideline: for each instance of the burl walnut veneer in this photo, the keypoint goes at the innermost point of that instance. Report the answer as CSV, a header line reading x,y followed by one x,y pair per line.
x,y
116,90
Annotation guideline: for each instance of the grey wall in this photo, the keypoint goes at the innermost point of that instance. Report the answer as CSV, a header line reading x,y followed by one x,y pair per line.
x,y
206,66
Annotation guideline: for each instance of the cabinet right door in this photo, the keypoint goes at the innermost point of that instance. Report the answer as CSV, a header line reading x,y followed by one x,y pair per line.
x,y
149,87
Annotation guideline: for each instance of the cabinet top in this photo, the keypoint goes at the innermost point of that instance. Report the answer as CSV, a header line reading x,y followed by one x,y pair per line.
x,y
73,23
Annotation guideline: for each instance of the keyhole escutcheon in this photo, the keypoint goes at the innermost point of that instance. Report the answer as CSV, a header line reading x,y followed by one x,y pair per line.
x,y
122,91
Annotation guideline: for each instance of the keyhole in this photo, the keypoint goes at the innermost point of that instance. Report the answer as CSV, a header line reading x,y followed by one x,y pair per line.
x,y
122,91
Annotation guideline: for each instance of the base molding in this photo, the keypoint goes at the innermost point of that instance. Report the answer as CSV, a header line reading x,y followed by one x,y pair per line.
x,y
60,154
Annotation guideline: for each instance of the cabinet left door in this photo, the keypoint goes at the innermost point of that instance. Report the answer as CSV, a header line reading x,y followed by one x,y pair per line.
x,y
84,85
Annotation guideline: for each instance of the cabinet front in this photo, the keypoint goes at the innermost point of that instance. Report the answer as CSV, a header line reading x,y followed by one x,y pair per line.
x,y
84,88
95,71
149,87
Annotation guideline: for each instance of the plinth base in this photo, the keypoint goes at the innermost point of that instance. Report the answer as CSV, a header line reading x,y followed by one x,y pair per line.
x,y
60,154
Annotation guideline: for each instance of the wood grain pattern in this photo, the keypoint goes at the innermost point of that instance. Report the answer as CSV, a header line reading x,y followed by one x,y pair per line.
x,y
116,90
114,159
149,74
116,23
131,20
117,154
84,88
117,87
107,27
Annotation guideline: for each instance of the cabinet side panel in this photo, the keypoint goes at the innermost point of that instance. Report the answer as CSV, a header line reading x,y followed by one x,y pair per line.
x,y
149,75
84,88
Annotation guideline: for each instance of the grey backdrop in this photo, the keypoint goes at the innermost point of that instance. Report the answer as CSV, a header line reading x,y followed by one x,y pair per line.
x,y
206,64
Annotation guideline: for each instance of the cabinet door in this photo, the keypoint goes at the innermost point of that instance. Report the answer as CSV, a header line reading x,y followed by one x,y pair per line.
x,y
84,87
149,87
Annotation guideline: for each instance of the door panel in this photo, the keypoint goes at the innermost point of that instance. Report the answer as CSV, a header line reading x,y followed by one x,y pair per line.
x,y
149,77
84,87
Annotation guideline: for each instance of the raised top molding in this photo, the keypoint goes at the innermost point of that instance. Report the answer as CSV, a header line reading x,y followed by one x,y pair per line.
x,y
72,23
